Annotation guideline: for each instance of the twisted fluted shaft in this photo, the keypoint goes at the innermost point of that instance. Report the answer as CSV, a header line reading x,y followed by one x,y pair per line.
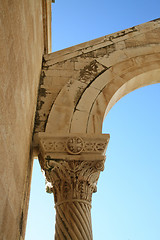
x,y
73,221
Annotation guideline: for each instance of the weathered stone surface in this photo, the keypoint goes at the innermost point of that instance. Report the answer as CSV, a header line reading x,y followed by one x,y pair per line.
x,y
104,64
21,29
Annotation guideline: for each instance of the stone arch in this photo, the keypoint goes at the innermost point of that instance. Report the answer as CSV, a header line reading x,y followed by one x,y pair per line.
x,y
102,92
79,82
78,86
114,91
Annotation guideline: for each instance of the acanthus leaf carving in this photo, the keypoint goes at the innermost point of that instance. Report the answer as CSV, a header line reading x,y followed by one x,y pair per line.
x,y
72,177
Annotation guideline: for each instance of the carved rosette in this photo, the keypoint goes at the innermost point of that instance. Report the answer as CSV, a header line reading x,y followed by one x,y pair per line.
x,y
72,166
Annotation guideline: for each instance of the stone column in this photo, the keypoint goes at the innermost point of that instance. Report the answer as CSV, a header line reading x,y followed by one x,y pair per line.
x,y
72,165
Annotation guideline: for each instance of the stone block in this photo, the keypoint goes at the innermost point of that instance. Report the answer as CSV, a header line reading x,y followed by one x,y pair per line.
x,y
103,79
79,116
61,123
96,115
87,100
67,65
113,58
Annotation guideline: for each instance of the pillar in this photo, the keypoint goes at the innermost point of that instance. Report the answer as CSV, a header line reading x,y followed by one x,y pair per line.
x,y
72,165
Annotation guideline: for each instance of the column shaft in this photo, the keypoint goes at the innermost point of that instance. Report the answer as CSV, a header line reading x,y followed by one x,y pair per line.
x,y
73,221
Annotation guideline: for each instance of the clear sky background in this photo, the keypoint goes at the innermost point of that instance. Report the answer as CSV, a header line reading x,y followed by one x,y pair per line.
x,y
127,203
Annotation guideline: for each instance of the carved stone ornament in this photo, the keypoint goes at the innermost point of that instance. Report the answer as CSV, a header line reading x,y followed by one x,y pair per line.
x,y
72,166
72,159
74,145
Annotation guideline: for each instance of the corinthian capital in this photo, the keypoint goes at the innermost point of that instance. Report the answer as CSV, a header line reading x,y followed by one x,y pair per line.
x,y
72,164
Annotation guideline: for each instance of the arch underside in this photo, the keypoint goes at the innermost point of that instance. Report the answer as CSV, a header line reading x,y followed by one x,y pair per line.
x,y
100,77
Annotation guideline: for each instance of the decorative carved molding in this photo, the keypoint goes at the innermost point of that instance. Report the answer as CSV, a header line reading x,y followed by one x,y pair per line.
x,y
72,144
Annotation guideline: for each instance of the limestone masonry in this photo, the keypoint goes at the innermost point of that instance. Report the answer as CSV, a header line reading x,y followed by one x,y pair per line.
x,y
52,105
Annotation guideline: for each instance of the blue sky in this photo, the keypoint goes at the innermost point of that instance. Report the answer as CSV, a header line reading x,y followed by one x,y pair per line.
x,y
126,206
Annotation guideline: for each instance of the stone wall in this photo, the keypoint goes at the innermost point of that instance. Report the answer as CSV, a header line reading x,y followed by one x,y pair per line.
x,y
21,43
